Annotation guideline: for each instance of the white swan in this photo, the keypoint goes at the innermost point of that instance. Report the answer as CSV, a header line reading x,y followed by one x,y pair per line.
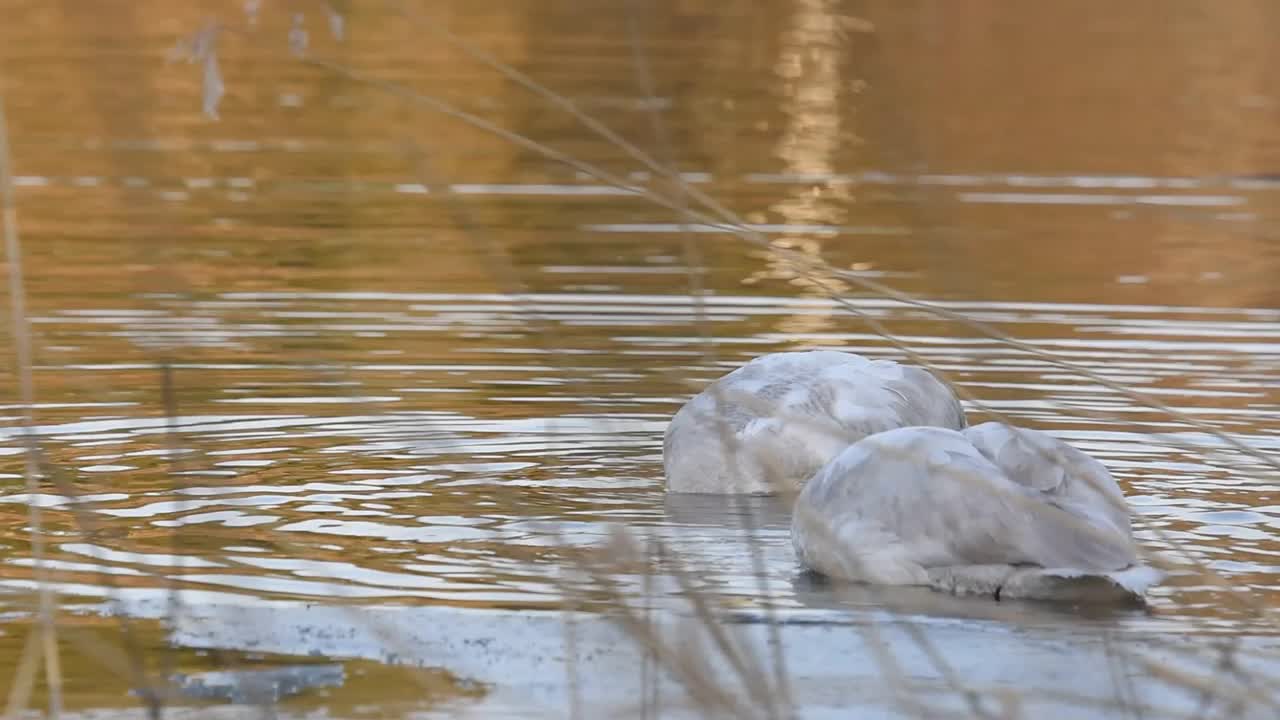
x,y
772,423
992,509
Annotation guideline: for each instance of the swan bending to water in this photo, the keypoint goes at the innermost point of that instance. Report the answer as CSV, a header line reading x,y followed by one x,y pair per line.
x,y
772,423
991,509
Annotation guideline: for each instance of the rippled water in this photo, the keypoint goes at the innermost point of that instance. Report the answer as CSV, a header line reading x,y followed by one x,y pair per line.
x,y
443,450
410,361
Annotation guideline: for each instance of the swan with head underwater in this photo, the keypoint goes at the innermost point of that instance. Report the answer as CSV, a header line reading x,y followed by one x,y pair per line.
x,y
768,426
895,489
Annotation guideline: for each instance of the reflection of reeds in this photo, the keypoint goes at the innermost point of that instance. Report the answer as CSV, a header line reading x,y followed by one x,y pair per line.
x,y
760,686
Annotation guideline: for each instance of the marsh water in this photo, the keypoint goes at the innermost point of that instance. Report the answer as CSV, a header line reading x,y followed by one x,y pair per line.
x,y
335,347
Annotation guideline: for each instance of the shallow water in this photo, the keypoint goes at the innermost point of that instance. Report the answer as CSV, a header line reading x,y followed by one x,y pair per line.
x,y
412,363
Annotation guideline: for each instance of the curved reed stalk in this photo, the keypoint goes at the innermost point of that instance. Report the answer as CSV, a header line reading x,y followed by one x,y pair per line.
x,y
20,334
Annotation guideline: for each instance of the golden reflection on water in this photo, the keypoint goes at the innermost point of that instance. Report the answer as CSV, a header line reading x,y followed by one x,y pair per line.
x,y
812,85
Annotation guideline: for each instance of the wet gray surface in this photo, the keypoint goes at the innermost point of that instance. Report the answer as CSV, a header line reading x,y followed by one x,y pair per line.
x,y
264,687
887,666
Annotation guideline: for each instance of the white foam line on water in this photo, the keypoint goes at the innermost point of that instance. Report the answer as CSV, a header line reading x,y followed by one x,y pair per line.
x,y
1266,314
540,189
620,270
1087,181
1013,198
70,405
1191,200
756,227
1113,182
295,366
1012,180
235,145
278,400
622,299
1271,183
412,189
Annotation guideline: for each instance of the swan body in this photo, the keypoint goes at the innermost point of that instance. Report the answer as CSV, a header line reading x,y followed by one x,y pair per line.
x,y
772,423
991,509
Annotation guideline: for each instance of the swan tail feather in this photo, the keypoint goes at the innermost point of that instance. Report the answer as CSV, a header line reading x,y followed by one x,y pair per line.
x,y
1034,583
1074,585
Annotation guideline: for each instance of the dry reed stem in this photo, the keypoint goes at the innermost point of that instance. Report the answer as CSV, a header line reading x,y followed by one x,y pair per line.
x,y
1210,686
753,677
20,333
784,703
709,622
24,675
685,660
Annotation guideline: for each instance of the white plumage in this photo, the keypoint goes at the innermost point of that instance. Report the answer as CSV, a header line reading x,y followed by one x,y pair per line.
x,y
992,509
771,424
